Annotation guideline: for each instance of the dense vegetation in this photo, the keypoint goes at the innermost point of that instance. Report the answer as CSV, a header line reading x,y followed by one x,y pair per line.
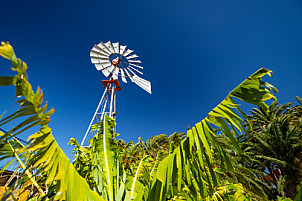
x,y
227,156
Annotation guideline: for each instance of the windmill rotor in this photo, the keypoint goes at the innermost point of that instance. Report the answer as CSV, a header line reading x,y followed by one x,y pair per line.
x,y
116,60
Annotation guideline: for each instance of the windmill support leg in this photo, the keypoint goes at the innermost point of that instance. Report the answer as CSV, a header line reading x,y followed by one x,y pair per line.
x,y
104,107
111,101
94,117
115,102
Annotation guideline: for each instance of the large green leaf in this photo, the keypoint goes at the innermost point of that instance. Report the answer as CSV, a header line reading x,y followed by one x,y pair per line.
x,y
196,153
253,90
135,185
103,154
45,154
50,159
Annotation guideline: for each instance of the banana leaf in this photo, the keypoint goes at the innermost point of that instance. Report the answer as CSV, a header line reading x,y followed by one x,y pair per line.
x,y
45,154
191,164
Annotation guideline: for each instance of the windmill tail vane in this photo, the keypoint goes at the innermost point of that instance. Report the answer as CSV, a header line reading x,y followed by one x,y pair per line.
x,y
114,60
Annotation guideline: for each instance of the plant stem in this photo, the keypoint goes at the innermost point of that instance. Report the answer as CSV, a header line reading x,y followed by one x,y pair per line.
x,y
27,171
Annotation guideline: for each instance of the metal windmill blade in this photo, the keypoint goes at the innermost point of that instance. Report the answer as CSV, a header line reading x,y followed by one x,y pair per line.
x,y
116,60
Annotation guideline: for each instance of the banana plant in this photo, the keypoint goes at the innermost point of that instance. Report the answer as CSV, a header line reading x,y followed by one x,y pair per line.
x,y
45,154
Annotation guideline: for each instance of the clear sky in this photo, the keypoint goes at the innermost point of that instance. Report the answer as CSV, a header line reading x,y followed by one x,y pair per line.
x,y
193,52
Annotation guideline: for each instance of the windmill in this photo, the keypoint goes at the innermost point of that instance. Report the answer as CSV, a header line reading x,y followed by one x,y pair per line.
x,y
114,60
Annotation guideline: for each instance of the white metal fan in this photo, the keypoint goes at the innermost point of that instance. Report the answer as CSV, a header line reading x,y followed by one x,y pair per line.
x,y
115,60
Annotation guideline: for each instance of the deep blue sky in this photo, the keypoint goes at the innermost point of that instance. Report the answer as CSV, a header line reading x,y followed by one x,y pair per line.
x,y
193,52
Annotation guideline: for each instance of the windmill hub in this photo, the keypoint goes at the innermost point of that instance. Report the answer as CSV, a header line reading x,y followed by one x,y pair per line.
x,y
116,62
